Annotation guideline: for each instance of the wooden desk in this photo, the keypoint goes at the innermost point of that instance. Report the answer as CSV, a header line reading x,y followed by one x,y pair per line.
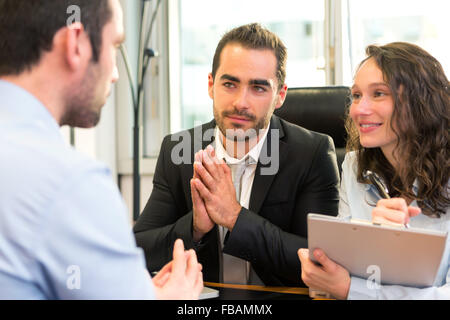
x,y
252,292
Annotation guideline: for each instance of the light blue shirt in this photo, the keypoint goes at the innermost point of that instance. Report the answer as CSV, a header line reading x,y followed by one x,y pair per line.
x,y
355,202
64,231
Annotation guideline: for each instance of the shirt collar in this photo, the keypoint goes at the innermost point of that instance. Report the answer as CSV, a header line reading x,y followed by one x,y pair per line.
x,y
371,187
252,155
18,102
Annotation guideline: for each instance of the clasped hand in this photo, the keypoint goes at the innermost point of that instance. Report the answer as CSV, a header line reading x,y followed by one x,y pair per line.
x,y
213,194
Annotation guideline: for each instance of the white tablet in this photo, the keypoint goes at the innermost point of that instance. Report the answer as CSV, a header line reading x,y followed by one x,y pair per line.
x,y
387,254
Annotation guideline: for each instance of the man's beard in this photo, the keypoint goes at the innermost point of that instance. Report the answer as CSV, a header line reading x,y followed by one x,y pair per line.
x,y
83,107
237,133
81,117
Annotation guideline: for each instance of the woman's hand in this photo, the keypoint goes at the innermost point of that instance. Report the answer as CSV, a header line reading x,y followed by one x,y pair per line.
x,y
328,276
393,211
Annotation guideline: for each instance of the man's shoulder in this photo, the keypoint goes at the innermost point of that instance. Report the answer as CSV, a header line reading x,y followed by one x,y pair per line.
x,y
70,162
45,165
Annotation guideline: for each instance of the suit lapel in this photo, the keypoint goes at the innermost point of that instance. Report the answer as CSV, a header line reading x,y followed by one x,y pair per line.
x,y
263,182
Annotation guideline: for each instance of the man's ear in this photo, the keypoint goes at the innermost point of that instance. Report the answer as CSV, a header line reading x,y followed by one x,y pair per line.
x,y
76,46
281,96
211,85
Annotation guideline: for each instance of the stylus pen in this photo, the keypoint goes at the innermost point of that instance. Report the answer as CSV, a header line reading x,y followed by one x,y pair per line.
x,y
379,185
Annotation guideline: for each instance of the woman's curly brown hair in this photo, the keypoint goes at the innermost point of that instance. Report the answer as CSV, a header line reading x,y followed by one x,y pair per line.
x,y
421,94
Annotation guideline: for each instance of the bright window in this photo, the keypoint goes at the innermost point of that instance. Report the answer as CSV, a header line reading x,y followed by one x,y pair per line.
x,y
425,23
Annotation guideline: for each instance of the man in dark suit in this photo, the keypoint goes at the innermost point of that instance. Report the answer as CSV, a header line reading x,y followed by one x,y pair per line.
x,y
242,202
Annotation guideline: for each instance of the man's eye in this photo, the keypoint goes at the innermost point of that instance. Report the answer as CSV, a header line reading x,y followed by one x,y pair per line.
x,y
259,89
228,85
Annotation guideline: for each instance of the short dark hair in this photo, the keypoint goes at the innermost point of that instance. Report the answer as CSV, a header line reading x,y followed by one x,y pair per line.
x,y
27,29
254,36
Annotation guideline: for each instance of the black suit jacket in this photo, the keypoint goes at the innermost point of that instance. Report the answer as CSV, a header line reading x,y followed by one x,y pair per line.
x,y
270,231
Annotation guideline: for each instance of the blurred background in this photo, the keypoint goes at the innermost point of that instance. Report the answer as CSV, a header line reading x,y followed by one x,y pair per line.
x,y
326,40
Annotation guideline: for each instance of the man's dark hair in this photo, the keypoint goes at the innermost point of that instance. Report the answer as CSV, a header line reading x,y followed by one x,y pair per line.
x,y
27,29
254,36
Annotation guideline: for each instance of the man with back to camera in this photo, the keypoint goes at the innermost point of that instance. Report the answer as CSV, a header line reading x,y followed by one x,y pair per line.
x,y
64,232
246,219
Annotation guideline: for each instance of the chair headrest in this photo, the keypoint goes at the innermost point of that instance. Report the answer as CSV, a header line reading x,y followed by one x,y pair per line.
x,y
320,109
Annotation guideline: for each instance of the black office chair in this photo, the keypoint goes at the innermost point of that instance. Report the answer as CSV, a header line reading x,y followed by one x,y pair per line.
x,y
320,109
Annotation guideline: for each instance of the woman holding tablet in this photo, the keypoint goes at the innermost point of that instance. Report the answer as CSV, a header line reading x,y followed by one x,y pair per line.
x,y
398,128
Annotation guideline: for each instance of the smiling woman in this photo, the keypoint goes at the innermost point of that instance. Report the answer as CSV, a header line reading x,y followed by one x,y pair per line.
x,y
372,108
401,107
398,128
